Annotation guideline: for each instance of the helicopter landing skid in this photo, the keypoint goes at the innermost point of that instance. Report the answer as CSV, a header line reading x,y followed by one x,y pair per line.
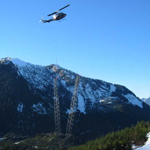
x,y
62,20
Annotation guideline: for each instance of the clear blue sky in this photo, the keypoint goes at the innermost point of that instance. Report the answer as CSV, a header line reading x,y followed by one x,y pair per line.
x,y
102,39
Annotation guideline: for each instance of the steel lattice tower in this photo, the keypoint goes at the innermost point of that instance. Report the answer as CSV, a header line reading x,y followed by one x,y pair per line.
x,y
73,107
56,108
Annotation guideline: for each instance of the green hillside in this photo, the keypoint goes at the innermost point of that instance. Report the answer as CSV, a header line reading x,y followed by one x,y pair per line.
x,y
120,140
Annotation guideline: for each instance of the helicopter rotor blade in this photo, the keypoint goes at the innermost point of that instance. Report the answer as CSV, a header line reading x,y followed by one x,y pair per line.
x,y
52,13
64,7
58,10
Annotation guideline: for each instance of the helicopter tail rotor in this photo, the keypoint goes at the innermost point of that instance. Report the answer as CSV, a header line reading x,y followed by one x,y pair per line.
x,y
41,20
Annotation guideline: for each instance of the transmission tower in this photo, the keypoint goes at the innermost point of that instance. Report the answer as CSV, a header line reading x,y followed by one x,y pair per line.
x,y
56,108
73,107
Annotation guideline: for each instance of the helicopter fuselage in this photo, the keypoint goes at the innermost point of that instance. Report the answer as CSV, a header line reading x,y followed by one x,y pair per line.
x,y
59,16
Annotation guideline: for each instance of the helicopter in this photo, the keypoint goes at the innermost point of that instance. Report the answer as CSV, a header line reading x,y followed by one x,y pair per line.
x,y
56,15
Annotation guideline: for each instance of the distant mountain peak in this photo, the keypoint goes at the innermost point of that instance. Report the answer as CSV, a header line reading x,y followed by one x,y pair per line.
x,y
16,61
5,60
146,100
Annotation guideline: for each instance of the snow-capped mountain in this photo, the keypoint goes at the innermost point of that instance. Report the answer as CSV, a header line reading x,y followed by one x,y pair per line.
x,y
27,90
40,77
146,100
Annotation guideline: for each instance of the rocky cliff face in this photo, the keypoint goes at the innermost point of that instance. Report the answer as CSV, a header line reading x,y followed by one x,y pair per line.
x,y
26,101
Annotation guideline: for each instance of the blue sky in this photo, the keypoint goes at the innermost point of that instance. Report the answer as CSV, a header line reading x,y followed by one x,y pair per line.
x,y
102,39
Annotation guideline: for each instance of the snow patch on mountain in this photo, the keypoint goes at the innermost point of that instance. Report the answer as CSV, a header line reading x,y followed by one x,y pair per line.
x,y
109,100
38,77
133,100
89,93
81,104
39,108
20,107
63,83
112,88
19,62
